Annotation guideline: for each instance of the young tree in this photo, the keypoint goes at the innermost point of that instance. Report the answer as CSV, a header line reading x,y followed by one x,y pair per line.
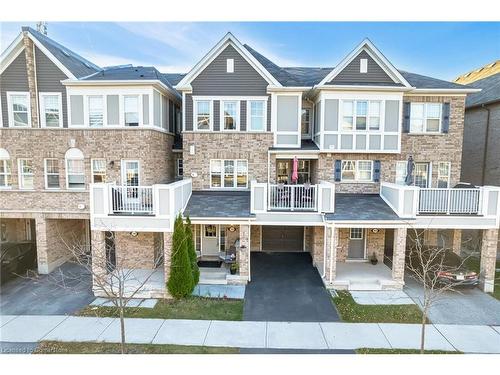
x,y
192,252
427,266
180,283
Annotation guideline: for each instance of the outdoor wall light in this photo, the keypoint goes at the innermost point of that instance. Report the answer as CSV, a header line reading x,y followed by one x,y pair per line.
x,y
133,234
375,230
112,164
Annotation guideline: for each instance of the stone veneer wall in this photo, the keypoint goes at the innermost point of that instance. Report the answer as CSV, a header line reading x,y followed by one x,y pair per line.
x,y
15,229
317,245
255,238
150,147
140,252
423,148
215,145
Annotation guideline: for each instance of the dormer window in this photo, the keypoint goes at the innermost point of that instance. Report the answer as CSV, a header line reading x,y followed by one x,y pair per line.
x,y
363,65
230,65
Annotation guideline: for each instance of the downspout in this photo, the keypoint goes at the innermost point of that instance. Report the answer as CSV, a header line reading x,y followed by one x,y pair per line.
x,y
485,149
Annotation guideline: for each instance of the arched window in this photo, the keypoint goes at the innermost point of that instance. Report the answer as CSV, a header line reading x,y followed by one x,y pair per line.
x,y
4,168
75,169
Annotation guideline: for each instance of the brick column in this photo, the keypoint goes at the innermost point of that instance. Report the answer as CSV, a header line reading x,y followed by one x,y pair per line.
x,y
431,237
398,257
488,259
243,252
30,68
98,248
41,245
332,242
167,253
317,246
457,241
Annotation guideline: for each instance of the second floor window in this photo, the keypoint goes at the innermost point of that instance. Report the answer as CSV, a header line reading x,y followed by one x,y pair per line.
x,y
443,179
230,117
50,105
203,115
51,174
96,111
131,109
228,173
98,170
19,111
4,173
257,115
75,169
425,118
306,122
361,115
25,174
357,171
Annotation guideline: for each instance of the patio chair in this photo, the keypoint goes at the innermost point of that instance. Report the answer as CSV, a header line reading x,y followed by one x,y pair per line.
x,y
229,256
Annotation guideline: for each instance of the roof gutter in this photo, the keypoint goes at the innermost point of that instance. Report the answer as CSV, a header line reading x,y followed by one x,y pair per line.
x,y
362,88
446,91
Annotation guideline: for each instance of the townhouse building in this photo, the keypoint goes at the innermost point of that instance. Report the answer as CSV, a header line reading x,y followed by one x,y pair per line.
x,y
346,163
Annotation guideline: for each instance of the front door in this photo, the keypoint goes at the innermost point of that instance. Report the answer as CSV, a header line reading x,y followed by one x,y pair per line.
x,y
356,248
210,246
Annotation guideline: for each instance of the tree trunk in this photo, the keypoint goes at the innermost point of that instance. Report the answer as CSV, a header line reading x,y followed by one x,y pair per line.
x,y
122,326
422,332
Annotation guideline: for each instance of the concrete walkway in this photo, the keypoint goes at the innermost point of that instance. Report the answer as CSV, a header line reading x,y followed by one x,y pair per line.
x,y
250,334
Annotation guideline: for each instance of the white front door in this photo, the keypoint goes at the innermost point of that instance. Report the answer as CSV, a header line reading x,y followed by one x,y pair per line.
x,y
210,245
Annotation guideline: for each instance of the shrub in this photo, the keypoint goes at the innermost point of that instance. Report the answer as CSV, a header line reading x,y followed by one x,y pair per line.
x,y
192,252
180,282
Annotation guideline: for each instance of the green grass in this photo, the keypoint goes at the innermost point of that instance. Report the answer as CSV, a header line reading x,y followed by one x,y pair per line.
x,y
473,263
401,351
188,308
56,347
350,311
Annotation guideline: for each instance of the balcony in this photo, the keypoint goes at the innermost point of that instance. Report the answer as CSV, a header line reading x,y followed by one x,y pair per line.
x,y
153,207
449,201
300,198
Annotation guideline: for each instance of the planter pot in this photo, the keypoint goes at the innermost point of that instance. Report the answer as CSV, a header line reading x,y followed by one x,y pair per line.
x,y
373,261
232,271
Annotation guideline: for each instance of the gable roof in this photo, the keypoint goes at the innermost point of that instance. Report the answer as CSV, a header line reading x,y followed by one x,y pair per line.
x,y
490,92
228,39
380,59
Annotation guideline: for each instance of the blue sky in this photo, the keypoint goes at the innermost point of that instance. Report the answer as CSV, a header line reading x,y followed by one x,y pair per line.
x,y
442,50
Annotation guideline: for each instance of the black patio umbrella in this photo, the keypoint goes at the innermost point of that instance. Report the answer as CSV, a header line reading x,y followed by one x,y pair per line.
x,y
410,166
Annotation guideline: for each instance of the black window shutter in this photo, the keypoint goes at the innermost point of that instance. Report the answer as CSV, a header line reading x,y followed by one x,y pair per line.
x,y
406,117
338,169
376,170
445,125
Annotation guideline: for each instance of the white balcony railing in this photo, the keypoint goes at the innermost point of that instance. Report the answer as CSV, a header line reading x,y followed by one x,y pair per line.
x,y
293,197
449,201
132,200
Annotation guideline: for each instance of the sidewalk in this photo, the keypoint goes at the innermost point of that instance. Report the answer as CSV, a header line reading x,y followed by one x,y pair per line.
x,y
245,334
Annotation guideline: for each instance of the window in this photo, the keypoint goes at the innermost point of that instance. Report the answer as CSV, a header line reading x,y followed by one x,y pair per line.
x,y
4,173
401,172
356,234
51,110
210,230
306,122
52,174
421,175
230,65
357,170
230,117
361,115
75,169
425,117
282,171
98,170
131,108
256,115
443,180
180,168
203,115
19,109
130,172
228,173
303,171
96,111
25,174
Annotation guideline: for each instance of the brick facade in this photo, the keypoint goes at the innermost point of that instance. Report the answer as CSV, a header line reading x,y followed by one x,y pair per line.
x,y
255,238
141,251
398,258
488,259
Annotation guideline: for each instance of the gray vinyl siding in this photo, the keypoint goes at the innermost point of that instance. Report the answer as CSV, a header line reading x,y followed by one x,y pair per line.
x,y
14,78
188,116
243,115
351,75
171,116
216,115
49,78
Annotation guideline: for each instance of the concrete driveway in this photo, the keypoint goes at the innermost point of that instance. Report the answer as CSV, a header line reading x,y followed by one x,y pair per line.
x,y
470,306
286,287
45,295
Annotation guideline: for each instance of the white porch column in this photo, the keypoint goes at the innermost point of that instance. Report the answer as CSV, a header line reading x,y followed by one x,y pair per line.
x,y
488,259
398,256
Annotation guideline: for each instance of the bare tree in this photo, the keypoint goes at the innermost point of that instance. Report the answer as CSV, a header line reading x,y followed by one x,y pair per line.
x,y
110,277
429,266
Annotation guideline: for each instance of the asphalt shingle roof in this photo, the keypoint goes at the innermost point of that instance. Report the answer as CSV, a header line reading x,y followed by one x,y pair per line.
x,y
76,64
490,91
364,207
218,204
424,82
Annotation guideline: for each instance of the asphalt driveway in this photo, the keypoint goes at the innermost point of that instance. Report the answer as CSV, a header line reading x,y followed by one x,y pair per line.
x,y
286,287
468,306
65,290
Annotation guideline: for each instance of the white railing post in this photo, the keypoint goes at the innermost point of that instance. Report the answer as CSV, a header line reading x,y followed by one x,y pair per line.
x,y
292,197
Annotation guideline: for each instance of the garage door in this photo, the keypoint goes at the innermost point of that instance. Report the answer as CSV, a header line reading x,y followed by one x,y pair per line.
x,y
282,238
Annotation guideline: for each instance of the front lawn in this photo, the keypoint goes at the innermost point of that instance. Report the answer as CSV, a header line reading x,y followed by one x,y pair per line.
x,y
473,264
188,308
56,347
350,311
401,351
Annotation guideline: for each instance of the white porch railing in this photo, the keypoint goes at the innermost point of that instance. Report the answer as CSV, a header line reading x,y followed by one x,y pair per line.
x,y
132,199
293,197
449,201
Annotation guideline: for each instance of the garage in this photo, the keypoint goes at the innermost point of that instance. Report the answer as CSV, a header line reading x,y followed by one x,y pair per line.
x,y
282,238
